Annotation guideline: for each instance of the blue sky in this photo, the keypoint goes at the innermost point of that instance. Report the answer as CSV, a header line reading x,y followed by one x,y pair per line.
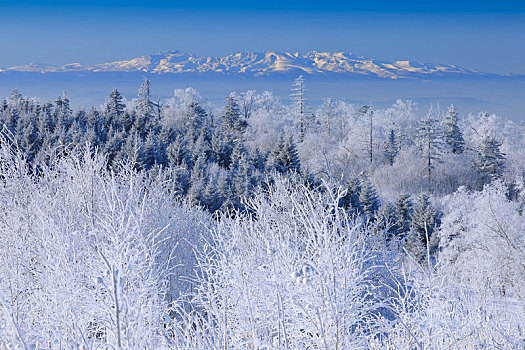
x,y
483,35
468,6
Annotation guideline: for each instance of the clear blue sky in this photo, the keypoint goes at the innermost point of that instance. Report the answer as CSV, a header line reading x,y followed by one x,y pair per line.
x,y
483,35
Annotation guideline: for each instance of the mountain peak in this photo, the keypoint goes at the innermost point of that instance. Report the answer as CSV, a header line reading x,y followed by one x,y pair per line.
x,y
260,64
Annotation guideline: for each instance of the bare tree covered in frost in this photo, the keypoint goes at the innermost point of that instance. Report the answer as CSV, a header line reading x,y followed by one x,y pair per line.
x,y
430,142
295,274
430,310
482,240
87,256
300,106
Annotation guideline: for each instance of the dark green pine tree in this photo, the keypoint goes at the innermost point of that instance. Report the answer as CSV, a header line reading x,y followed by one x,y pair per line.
x,y
30,138
350,201
3,106
44,123
291,155
47,113
63,112
224,190
386,220
93,117
210,197
230,132
220,149
241,174
97,122
258,160
151,153
78,135
271,159
231,121
490,160
112,148
424,222
177,152
368,199
194,121
144,105
144,120
286,157
198,181
81,120
238,152
452,133
131,150
115,105
391,147
15,97
202,146
424,219
116,112
402,215
11,120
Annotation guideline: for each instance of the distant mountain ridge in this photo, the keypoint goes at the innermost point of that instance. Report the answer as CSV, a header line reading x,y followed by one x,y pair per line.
x,y
262,64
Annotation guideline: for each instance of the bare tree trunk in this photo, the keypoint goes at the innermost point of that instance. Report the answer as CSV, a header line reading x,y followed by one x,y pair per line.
x,y
114,278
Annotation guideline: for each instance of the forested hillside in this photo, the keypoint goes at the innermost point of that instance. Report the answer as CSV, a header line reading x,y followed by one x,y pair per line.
x,y
178,224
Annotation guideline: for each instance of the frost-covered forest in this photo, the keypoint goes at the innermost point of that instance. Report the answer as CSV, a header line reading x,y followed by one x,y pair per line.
x,y
178,224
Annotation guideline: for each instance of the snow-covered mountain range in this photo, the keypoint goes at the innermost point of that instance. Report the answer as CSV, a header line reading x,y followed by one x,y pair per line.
x,y
261,64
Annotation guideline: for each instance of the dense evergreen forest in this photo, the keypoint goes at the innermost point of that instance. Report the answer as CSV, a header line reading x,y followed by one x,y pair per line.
x,y
177,224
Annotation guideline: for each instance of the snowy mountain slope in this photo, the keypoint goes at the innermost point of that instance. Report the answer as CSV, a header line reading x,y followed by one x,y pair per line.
x,y
261,64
